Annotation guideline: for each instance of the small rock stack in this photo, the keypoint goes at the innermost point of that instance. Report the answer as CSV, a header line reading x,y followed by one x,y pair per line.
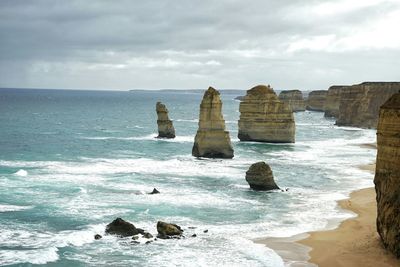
x,y
316,100
165,127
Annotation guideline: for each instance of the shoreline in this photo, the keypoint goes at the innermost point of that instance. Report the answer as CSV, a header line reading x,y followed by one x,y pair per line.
x,y
354,242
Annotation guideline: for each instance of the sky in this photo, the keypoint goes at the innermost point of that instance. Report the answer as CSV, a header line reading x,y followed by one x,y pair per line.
x,y
193,44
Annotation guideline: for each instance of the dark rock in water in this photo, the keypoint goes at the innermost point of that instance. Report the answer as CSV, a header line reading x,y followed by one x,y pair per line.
x,y
194,235
135,242
141,231
260,177
192,227
135,237
168,229
387,175
97,237
147,235
148,242
205,231
122,228
155,191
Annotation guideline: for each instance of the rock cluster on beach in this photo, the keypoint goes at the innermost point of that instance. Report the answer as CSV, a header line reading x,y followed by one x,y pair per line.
x,y
359,104
165,127
264,118
260,177
332,102
387,176
294,99
212,140
316,100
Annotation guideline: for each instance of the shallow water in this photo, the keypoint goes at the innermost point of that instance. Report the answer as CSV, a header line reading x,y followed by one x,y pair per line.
x,y
72,161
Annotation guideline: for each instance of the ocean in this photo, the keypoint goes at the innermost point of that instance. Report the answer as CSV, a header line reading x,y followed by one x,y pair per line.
x,y
73,161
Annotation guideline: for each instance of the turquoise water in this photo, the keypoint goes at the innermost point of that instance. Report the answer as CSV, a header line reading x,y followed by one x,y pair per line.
x,y
72,161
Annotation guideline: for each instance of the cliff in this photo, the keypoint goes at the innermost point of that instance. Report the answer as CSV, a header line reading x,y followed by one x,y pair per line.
x,y
332,102
294,99
212,140
387,176
359,104
316,100
264,118
165,127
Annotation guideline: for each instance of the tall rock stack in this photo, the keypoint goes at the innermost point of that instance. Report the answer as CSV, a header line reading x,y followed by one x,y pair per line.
x,y
294,99
212,140
316,100
359,104
332,102
165,127
387,176
264,118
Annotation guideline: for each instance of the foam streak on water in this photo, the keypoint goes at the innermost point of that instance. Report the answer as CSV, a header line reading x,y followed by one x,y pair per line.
x,y
58,190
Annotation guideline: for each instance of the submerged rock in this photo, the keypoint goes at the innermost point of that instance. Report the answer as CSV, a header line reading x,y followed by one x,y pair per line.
x,y
97,236
387,176
264,118
260,177
316,100
165,127
166,230
212,140
155,191
122,228
294,99
332,102
360,103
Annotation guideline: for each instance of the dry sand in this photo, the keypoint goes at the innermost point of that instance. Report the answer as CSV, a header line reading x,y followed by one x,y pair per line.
x,y
355,242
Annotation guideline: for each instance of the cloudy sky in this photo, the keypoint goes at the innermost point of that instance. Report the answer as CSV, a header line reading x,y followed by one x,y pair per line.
x,y
303,44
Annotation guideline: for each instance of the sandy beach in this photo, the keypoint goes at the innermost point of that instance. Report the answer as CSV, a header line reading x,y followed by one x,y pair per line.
x,y
354,243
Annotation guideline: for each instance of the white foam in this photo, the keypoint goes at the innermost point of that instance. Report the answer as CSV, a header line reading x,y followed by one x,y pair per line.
x,y
7,208
21,172
33,256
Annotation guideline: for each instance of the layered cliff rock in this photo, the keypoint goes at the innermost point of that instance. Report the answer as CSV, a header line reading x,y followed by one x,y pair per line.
x,y
387,176
260,177
212,140
332,102
294,99
165,127
359,104
264,118
316,100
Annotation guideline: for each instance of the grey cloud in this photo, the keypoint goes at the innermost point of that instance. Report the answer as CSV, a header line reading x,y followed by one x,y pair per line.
x,y
229,43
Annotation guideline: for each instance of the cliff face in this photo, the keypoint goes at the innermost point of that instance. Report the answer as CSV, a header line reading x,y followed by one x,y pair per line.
x,y
387,176
212,141
333,101
316,100
264,118
165,127
359,104
294,99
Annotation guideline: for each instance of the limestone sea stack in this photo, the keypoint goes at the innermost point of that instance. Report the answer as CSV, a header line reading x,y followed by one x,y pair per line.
x,y
333,101
264,118
260,177
294,99
387,176
212,140
316,100
360,103
165,127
